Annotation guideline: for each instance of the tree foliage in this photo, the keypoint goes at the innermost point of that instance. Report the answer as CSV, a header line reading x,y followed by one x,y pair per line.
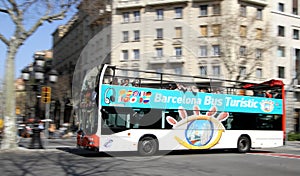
x,y
244,43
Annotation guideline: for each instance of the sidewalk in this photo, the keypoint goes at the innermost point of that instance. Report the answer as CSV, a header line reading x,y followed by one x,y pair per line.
x,y
295,144
49,143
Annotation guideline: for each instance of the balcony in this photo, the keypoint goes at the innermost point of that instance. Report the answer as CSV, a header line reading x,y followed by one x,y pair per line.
x,y
163,2
257,2
158,60
176,60
123,4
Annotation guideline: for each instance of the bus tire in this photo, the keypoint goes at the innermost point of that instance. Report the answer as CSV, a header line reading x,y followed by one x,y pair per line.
x,y
244,144
148,146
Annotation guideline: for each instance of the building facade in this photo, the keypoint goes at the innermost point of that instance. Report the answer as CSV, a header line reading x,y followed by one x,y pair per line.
x,y
77,48
285,59
249,40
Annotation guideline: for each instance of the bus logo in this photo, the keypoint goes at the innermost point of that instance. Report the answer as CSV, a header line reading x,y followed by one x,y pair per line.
x,y
134,96
202,131
267,105
108,144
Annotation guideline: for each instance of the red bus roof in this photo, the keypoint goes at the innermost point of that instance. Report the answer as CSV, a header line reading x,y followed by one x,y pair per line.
x,y
267,84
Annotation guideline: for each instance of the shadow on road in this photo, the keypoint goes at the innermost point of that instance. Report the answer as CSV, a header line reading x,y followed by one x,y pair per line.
x,y
89,153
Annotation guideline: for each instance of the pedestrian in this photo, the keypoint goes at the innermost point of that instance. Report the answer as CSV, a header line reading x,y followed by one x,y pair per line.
x,y
36,136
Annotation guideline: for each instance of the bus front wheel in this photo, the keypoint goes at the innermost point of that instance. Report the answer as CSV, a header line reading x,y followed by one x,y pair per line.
x,y
244,144
148,146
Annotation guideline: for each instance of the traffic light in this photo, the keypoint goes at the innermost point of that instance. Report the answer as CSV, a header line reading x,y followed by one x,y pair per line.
x,y
46,94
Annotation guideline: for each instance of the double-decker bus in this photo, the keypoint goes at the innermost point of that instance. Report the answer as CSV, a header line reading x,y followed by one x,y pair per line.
x,y
151,111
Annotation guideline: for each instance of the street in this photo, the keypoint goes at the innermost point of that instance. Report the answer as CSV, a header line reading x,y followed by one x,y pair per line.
x,y
61,157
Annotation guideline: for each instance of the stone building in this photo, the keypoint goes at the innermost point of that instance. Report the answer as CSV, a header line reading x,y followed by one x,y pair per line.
x,y
76,48
249,40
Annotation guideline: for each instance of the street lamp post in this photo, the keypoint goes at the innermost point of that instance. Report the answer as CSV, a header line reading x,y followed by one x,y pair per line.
x,y
37,74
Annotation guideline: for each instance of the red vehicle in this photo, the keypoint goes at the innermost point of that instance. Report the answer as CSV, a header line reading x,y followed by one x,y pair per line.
x,y
87,142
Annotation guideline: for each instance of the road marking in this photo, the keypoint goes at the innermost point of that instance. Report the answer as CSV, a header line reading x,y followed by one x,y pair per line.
x,y
280,155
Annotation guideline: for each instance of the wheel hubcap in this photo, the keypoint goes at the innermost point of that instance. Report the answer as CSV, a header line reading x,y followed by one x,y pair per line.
x,y
147,146
243,144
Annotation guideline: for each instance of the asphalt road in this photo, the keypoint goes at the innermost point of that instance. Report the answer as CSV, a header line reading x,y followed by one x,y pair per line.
x,y
67,160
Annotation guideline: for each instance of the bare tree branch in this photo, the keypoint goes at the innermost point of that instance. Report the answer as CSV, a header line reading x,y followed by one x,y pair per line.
x,y
14,6
4,40
3,10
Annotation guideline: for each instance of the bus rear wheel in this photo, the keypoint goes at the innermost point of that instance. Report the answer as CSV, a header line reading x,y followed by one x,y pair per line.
x,y
148,146
244,144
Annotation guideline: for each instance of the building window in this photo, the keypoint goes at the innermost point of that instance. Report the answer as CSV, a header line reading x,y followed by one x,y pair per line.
x,y
216,9
216,70
258,73
136,34
242,71
243,31
137,16
203,30
216,29
243,11
242,51
178,12
281,31
126,17
295,7
258,53
178,70
280,7
203,10
158,70
203,51
159,52
124,72
280,72
296,34
159,33
259,14
159,14
136,74
125,55
178,31
178,51
281,51
259,34
136,54
125,36
216,50
203,70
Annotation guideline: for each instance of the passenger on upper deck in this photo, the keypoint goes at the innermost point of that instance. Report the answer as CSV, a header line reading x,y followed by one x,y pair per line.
x,y
204,90
277,94
268,94
135,83
125,82
259,93
115,81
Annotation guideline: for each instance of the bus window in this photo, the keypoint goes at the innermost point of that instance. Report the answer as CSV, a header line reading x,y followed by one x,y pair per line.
x,y
228,122
264,121
146,118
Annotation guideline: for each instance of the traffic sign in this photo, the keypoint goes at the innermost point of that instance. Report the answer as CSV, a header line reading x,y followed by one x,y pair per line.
x,y
46,94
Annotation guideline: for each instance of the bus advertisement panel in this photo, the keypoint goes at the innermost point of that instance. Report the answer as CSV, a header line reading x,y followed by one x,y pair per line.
x,y
120,96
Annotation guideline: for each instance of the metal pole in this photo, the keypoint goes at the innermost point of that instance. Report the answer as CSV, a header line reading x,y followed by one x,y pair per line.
x,y
47,109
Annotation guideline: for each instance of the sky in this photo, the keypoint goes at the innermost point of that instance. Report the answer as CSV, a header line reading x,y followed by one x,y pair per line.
x,y
40,40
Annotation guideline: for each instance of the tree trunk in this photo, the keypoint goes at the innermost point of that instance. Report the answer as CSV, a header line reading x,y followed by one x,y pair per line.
x,y
10,130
